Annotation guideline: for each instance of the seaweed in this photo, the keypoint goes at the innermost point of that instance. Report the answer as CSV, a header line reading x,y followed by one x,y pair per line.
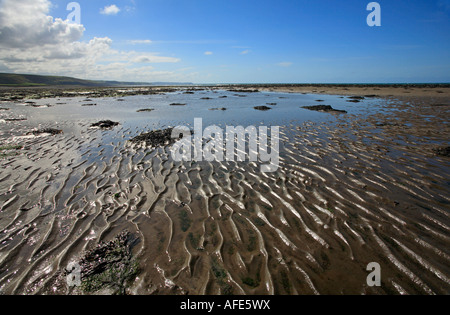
x,y
442,151
145,110
50,131
324,108
250,282
185,221
110,265
157,138
105,124
262,108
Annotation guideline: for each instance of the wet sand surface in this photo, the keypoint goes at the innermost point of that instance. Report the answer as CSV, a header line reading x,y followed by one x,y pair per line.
x,y
369,185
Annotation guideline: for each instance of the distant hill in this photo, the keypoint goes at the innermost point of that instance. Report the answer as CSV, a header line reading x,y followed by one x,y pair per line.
x,y
20,80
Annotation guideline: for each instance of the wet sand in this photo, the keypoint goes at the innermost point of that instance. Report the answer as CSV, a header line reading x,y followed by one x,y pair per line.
x,y
360,189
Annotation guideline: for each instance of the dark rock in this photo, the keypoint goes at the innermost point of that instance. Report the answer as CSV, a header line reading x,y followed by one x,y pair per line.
x,y
243,91
223,109
145,110
157,138
15,119
177,104
324,108
51,131
442,151
262,108
105,124
110,265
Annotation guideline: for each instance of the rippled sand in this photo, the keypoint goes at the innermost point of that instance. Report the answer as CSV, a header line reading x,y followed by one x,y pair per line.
x,y
357,190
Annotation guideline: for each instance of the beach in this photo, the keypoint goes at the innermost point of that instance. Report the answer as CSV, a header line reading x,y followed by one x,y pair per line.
x,y
366,182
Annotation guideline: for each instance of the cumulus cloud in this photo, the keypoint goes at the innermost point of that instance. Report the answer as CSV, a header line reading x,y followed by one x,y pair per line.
x,y
110,10
25,23
154,59
31,41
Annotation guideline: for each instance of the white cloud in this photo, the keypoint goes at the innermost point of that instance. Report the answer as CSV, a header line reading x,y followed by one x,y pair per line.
x,y
25,23
285,64
147,58
33,42
110,10
140,42
245,52
208,53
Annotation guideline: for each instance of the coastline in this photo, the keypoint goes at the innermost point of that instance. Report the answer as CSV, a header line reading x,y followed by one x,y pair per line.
x,y
432,91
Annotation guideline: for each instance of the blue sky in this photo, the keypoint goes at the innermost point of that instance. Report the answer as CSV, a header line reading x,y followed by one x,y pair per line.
x,y
248,41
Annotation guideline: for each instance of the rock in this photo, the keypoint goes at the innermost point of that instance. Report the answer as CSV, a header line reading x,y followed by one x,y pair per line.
x,y
442,151
243,91
156,138
177,104
105,124
223,109
50,131
324,108
262,108
145,110
110,265
15,119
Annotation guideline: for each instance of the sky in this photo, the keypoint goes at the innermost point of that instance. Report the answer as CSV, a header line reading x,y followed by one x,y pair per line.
x,y
228,41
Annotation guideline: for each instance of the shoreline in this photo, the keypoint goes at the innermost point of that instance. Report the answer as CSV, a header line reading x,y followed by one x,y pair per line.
x,y
435,91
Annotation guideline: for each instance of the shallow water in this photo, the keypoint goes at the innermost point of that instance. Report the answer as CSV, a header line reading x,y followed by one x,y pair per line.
x,y
240,109
351,189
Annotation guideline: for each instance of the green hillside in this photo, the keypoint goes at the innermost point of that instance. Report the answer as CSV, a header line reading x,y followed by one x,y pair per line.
x,y
17,80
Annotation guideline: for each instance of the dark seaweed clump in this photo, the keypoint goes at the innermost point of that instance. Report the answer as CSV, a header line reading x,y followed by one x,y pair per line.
x,y
263,108
157,138
50,131
442,151
243,91
105,124
324,108
145,110
110,265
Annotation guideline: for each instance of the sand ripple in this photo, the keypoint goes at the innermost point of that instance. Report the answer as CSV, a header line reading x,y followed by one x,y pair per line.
x,y
347,193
